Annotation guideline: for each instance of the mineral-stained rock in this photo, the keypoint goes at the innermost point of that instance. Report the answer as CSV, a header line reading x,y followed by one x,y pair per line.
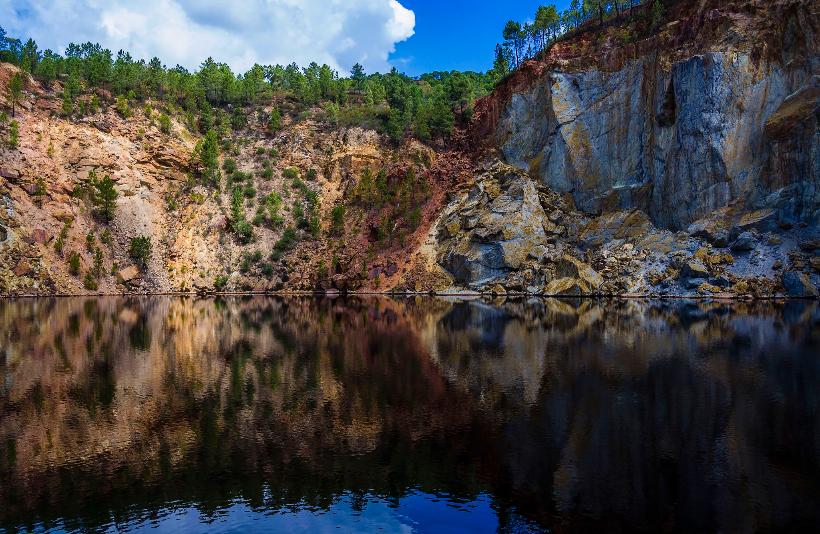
x,y
509,224
798,284
694,269
128,274
39,236
569,267
22,269
815,263
566,287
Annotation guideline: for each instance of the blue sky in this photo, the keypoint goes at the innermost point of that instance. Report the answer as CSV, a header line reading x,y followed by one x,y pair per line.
x,y
416,36
457,34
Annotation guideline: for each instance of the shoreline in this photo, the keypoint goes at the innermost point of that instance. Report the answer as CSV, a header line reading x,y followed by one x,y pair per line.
x,y
460,294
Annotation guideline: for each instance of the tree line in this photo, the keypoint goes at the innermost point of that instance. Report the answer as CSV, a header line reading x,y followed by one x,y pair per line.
x,y
425,107
524,41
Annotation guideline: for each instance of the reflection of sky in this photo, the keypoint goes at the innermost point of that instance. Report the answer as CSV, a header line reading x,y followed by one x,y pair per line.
x,y
417,512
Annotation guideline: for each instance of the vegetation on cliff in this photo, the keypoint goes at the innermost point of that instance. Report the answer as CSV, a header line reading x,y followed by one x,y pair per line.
x,y
214,97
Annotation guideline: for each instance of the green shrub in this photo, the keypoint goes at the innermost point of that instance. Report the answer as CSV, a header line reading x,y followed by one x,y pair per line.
x,y
140,250
89,241
165,123
229,165
244,230
267,269
337,216
59,243
311,174
290,173
89,282
97,270
74,263
220,282
122,107
286,242
14,134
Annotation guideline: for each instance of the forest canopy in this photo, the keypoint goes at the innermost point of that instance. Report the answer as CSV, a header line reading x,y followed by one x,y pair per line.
x,y
426,107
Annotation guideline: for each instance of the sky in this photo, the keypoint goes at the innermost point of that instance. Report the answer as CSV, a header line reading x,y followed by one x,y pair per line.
x,y
415,36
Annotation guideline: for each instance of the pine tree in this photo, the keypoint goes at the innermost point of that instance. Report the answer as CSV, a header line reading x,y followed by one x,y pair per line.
x,y
15,90
104,196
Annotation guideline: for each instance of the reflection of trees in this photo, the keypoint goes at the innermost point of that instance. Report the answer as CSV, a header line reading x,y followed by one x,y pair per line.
x,y
618,412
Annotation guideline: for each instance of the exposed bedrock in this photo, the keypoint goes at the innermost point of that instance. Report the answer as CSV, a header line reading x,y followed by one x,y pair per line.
x,y
678,142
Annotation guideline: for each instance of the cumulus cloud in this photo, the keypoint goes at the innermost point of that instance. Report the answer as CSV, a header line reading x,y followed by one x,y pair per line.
x,y
238,32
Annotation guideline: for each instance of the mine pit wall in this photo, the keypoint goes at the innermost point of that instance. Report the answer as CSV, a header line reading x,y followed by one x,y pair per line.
x,y
675,138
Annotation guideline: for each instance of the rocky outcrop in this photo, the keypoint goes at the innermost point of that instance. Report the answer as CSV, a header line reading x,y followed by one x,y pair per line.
x,y
678,132
688,161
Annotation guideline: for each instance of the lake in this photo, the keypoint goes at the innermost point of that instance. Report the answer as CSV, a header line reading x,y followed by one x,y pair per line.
x,y
408,415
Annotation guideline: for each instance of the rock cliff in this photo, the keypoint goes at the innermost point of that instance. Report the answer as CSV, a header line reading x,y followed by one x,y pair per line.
x,y
673,144
674,158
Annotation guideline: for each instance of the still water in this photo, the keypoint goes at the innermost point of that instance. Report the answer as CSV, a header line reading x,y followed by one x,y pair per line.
x,y
408,415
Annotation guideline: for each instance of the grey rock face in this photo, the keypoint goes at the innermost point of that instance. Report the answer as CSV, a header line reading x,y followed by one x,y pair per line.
x,y
679,142
494,229
797,284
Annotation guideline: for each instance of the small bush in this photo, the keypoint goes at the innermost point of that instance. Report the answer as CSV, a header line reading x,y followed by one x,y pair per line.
x,y
59,243
286,242
165,123
291,173
337,216
220,282
267,269
89,282
74,263
244,230
140,250
14,133
122,107
229,165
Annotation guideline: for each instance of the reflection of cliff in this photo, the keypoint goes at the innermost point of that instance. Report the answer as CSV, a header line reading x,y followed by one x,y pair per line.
x,y
619,412
671,413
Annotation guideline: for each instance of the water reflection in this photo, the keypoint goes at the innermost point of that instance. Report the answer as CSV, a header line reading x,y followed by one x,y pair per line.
x,y
371,413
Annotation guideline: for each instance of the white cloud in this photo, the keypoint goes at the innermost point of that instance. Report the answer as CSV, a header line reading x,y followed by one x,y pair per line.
x,y
238,32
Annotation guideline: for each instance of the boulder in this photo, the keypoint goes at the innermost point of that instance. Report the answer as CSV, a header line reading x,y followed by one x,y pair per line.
x,y
39,236
130,273
763,219
567,287
810,245
797,284
22,269
569,267
745,242
815,263
713,231
694,269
